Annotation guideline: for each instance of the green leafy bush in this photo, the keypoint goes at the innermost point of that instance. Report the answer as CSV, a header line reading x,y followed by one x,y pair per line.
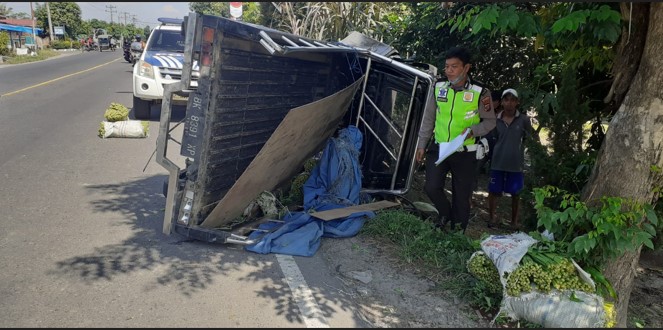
x,y
4,42
64,44
595,233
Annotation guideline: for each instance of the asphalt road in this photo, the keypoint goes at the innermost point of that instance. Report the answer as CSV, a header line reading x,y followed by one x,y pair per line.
x,y
81,239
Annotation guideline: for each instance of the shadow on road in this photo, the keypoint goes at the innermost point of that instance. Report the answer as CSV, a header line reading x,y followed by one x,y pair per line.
x,y
177,113
191,266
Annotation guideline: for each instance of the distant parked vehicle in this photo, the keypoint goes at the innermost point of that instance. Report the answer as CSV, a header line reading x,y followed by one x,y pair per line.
x,y
103,43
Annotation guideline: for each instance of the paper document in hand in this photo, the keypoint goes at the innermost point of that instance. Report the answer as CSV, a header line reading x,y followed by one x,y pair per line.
x,y
448,148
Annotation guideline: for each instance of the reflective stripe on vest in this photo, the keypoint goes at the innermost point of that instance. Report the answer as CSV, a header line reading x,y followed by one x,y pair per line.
x,y
456,111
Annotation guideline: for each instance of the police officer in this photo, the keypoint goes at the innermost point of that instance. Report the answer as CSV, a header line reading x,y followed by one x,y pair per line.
x,y
458,105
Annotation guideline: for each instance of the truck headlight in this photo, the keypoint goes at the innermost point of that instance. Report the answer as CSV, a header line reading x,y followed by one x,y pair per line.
x,y
145,70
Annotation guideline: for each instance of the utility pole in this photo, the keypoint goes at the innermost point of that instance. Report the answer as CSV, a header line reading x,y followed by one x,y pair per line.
x,y
32,18
50,24
124,13
133,19
111,11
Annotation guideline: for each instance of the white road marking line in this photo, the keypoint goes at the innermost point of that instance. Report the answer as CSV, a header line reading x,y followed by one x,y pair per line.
x,y
302,294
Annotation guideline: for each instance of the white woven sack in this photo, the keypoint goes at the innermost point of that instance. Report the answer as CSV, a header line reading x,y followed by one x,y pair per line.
x,y
124,129
551,310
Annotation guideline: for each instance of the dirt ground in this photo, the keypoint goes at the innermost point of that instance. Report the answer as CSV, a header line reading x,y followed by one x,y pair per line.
x,y
392,293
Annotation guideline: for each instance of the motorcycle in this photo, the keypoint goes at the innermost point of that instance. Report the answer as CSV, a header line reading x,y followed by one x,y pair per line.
x,y
127,52
87,48
136,50
135,56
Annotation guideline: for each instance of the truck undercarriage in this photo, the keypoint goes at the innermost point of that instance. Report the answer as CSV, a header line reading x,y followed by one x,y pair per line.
x,y
265,102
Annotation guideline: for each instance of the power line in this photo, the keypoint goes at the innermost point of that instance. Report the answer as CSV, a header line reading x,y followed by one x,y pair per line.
x,y
124,13
89,4
111,10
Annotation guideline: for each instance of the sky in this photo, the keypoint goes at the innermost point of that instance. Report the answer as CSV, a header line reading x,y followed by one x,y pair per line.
x,y
146,13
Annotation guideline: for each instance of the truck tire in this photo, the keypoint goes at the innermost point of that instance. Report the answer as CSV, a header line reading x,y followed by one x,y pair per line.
x,y
142,108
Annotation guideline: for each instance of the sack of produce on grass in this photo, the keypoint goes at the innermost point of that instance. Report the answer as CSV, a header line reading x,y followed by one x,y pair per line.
x,y
124,129
116,112
538,285
559,309
483,269
553,292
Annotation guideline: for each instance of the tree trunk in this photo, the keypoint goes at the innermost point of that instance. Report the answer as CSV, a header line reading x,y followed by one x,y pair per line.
x,y
633,143
628,51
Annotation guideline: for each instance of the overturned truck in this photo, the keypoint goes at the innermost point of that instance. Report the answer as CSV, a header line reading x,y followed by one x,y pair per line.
x,y
265,101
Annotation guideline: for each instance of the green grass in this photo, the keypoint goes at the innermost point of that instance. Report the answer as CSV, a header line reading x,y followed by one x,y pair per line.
x,y
441,256
41,55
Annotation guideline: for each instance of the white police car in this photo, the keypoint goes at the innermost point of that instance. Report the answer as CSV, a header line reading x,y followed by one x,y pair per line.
x,y
159,64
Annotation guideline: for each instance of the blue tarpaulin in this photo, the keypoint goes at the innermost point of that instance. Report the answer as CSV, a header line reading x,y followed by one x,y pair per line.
x,y
17,28
335,182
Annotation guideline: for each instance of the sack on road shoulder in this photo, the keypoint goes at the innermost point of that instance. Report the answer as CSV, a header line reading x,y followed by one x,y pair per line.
x,y
124,129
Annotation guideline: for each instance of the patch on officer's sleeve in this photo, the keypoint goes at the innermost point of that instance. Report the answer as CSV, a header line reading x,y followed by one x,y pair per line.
x,y
486,103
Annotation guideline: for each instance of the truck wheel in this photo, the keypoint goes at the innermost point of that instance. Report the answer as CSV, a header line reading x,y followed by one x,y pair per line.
x,y
142,108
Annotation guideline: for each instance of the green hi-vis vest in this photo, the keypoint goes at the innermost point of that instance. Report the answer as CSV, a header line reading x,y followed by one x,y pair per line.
x,y
455,111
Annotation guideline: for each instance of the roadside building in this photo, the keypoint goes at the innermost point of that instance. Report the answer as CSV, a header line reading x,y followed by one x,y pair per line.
x,y
20,33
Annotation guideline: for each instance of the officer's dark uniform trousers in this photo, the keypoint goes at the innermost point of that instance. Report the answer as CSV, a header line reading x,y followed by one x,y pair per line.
x,y
463,166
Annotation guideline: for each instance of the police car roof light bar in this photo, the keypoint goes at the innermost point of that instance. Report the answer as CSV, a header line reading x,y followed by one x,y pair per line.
x,y
170,21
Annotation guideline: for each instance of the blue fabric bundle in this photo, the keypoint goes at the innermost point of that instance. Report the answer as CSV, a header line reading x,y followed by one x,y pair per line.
x,y
335,182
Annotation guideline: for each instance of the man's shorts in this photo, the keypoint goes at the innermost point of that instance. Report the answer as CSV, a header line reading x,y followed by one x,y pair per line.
x,y
508,182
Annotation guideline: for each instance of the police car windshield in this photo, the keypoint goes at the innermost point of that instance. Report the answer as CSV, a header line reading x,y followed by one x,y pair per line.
x,y
166,40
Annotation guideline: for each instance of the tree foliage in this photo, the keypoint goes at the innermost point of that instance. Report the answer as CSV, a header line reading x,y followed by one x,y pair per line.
x,y
67,14
251,11
4,40
8,12
569,50
19,15
333,21
221,9
5,11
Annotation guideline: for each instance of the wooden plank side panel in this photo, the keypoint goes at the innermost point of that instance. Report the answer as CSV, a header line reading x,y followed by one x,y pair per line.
x,y
346,211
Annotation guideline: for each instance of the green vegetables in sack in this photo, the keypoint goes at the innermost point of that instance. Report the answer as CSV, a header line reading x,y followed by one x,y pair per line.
x,y
483,269
102,130
544,272
116,112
